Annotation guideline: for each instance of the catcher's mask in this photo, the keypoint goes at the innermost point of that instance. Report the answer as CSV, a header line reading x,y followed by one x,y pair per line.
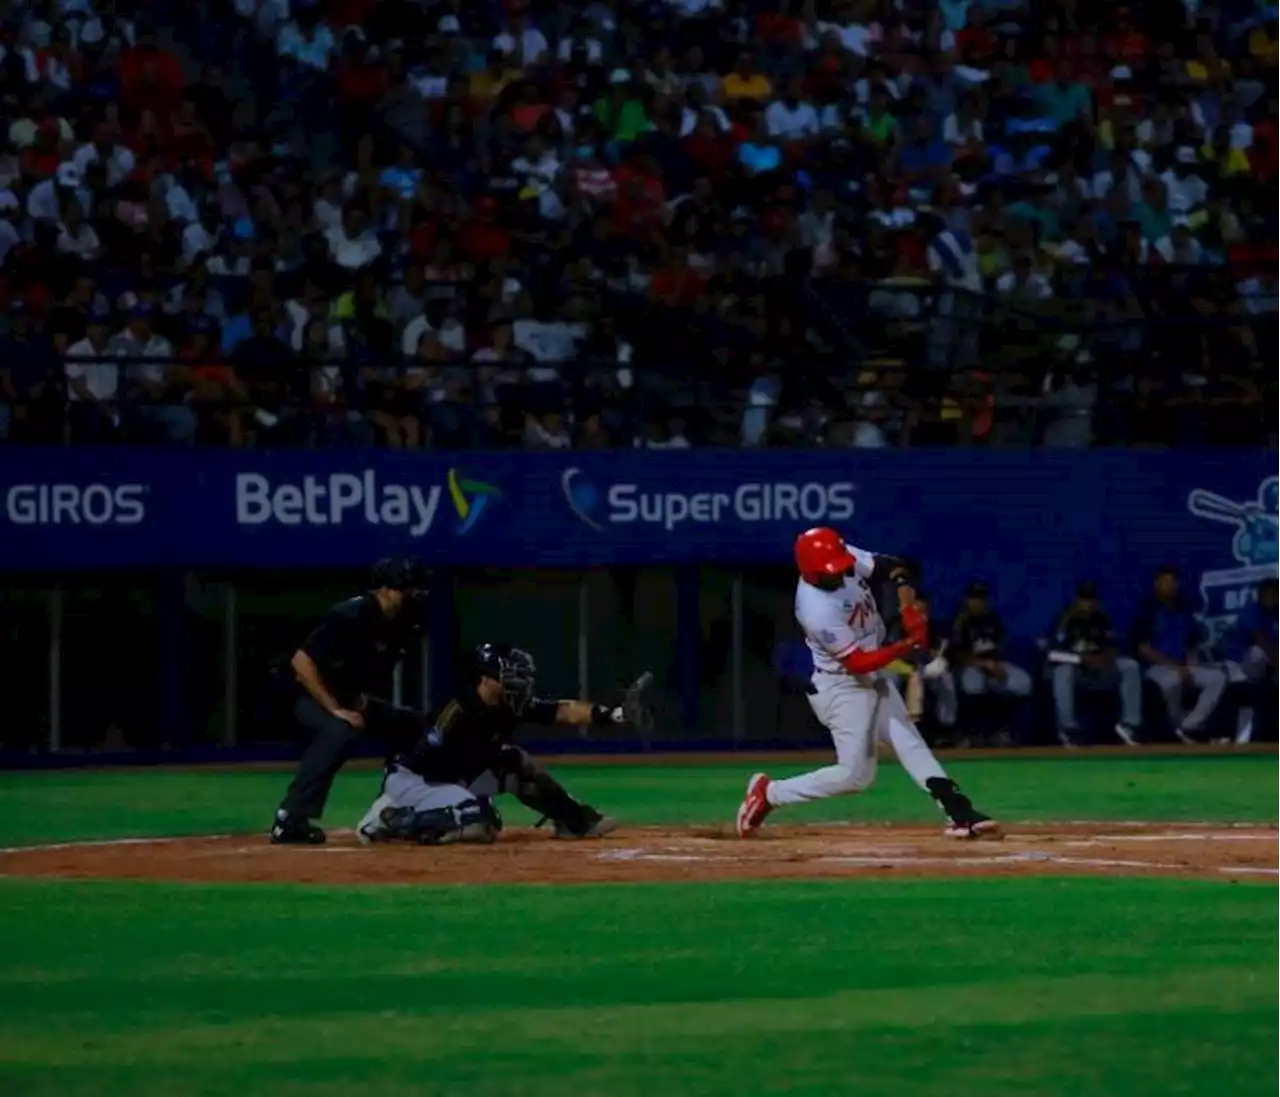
x,y
513,668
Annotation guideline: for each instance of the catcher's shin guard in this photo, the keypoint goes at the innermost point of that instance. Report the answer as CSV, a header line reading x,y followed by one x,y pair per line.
x,y
541,792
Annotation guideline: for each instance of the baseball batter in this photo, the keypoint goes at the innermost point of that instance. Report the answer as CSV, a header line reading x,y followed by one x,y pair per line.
x,y
850,691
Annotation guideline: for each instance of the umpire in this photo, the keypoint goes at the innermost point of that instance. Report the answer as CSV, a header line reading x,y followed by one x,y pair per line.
x,y
331,686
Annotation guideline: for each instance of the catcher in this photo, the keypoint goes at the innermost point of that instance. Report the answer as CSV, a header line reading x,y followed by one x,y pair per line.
x,y
440,790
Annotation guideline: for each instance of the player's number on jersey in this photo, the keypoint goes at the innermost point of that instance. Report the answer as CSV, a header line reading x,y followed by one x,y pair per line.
x,y
861,615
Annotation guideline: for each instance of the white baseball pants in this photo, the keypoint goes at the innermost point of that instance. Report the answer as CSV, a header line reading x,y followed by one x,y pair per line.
x,y
405,789
859,716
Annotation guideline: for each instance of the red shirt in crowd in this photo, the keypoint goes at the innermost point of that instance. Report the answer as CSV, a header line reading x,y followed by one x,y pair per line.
x,y
639,201
359,84
1263,154
678,284
150,78
481,239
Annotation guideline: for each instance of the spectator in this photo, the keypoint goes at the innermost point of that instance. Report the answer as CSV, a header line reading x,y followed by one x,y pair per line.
x,y
521,42
976,650
847,147
93,382
216,392
1169,641
1084,656
152,378
745,83
352,244
790,118
307,40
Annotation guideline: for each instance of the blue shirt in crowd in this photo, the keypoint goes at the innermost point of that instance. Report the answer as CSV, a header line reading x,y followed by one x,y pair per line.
x,y
1172,630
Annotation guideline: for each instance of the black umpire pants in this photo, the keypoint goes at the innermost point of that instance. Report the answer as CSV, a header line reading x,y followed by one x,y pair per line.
x,y
329,744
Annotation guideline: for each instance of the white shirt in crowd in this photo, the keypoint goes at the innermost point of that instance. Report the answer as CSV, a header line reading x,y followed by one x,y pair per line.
x,y
535,434
1074,252
179,204
790,123
838,622
542,172
315,51
1190,253
691,9
553,341
689,119
855,37
529,50
1184,193
81,241
1036,287
196,241
1241,132
30,70
867,435
956,132
352,252
672,441
300,319
1259,296
42,201
267,14
229,266
595,52
101,378
452,335
156,350
430,85
955,260
1105,180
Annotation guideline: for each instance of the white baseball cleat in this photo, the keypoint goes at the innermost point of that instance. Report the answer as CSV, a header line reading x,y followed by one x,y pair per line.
x,y
755,807
370,828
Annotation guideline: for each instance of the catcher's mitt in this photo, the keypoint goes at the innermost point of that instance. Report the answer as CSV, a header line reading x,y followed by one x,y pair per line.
x,y
635,708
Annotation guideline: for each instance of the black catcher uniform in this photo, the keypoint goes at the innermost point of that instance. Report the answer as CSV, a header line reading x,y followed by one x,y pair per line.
x,y
441,789
333,688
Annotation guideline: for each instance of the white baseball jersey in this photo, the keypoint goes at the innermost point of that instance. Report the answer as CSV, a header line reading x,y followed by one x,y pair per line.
x,y
837,622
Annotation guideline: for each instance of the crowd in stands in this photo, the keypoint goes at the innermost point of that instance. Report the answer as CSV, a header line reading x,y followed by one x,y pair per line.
x,y
1205,688
638,222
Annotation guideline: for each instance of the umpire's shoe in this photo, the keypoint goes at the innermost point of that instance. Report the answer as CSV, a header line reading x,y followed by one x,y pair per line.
x,y
592,825
293,830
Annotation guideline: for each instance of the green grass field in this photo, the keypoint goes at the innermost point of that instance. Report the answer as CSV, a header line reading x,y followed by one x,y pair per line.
x,y
1037,986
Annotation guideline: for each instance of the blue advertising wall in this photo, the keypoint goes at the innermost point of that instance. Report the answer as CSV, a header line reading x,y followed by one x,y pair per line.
x,y
1032,523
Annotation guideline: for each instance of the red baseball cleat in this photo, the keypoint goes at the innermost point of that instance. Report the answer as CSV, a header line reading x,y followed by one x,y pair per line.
x,y
755,807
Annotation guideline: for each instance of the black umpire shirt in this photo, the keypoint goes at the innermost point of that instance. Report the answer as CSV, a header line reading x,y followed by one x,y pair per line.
x,y
356,647
464,739
977,635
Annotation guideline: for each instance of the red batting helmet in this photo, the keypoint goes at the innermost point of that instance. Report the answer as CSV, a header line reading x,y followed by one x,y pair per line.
x,y
822,551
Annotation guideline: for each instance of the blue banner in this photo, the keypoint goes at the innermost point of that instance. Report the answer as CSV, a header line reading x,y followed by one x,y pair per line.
x,y
1031,523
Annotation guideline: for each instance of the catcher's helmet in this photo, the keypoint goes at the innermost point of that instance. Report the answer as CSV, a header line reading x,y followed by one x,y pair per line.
x,y
403,573
512,667
822,552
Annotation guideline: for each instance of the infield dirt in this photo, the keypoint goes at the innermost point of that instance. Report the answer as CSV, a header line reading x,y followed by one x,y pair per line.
x,y
688,854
